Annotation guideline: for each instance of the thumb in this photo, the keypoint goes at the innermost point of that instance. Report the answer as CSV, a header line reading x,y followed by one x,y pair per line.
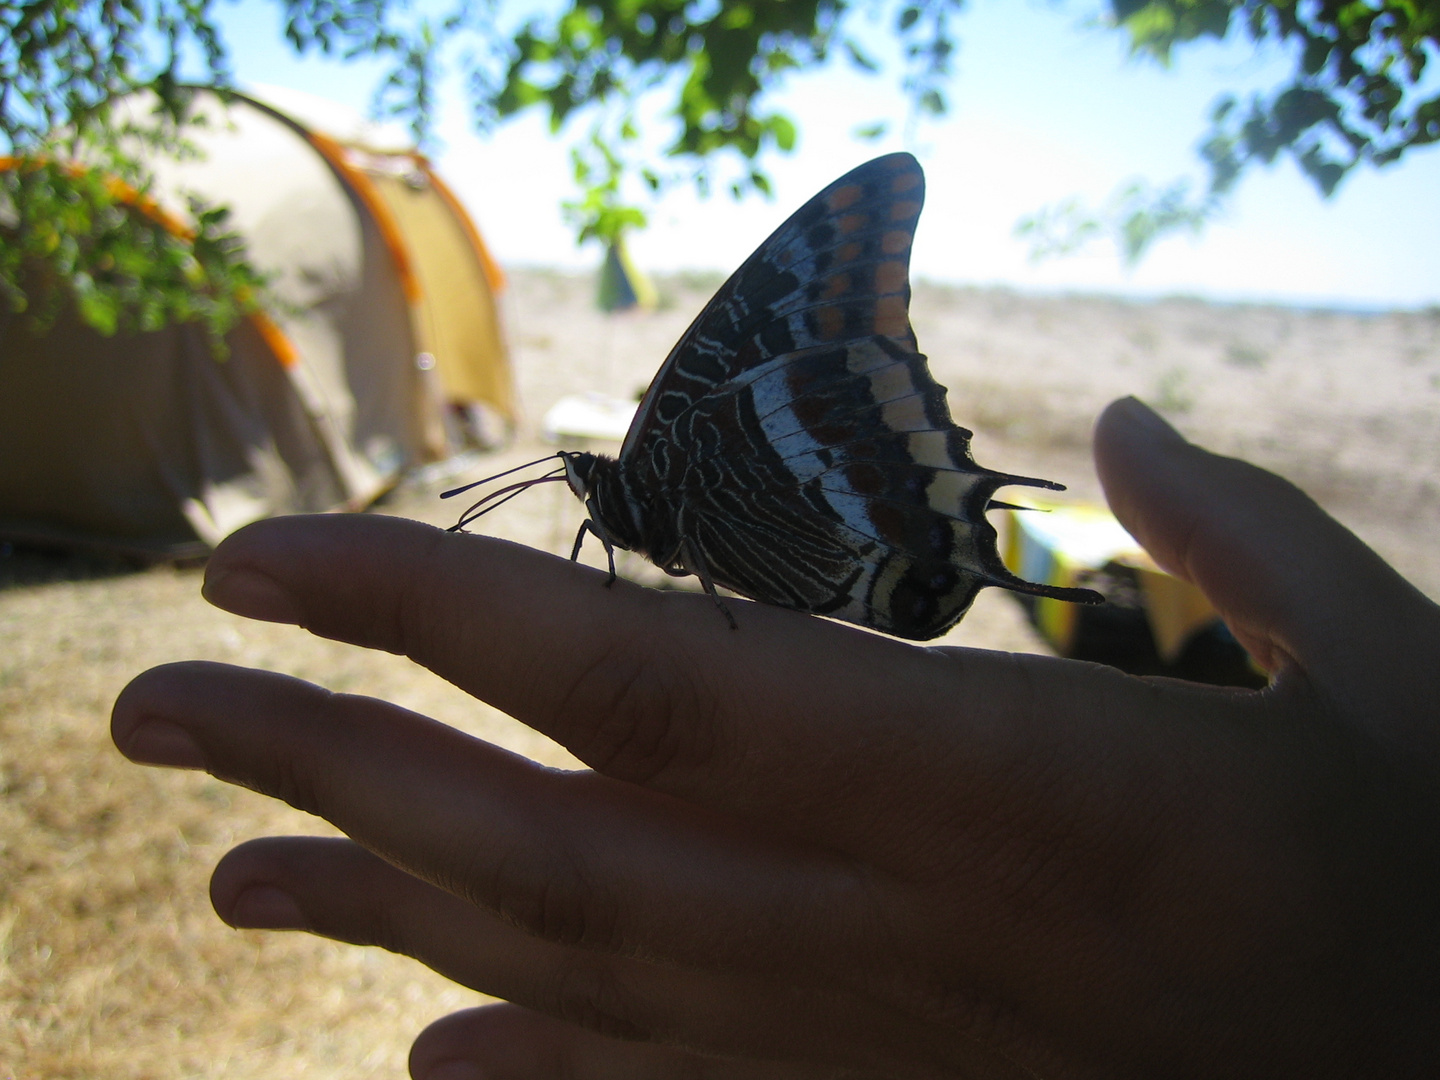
x,y
1293,584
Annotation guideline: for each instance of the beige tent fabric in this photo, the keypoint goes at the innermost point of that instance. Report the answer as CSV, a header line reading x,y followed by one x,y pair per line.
x,y
147,443
338,302
453,282
457,320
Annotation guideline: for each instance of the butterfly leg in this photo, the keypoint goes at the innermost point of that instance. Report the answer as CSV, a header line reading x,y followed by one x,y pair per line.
x,y
585,526
696,562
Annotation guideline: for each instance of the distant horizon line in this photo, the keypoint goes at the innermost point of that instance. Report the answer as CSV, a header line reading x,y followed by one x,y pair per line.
x,y
1315,304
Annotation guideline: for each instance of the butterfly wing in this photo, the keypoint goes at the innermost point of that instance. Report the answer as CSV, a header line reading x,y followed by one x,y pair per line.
x,y
797,440
837,268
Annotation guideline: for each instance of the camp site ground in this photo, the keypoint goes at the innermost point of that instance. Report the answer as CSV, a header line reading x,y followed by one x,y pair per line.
x,y
112,964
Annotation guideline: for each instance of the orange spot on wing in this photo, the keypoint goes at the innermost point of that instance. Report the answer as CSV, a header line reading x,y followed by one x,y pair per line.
x,y
890,277
908,180
850,223
892,316
892,243
844,197
849,252
904,209
836,286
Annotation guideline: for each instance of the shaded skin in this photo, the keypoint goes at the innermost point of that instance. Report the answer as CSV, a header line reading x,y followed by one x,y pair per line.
x,y
807,851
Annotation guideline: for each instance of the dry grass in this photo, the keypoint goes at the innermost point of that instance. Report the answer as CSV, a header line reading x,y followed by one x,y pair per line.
x,y
112,964
111,961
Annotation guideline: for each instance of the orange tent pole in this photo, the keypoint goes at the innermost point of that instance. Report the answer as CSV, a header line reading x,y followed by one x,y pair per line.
x,y
365,191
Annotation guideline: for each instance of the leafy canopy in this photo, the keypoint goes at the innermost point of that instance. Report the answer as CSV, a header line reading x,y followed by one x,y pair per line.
x,y
1357,96
604,71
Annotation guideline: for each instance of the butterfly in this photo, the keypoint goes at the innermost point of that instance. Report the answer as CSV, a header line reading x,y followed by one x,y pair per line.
x,y
794,448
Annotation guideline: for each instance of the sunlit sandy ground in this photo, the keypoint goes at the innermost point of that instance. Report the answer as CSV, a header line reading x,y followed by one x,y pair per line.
x,y
112,964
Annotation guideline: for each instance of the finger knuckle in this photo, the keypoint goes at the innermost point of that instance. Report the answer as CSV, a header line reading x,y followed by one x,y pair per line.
x,y
590,992
638,711
381,926
296,770
552,896
409,625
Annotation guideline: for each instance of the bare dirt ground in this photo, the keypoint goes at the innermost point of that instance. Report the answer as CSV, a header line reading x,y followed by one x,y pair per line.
x,y
112,964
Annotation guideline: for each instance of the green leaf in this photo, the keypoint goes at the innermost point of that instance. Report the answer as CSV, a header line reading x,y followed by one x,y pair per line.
x,y
97,308
859,57
782,130
704,77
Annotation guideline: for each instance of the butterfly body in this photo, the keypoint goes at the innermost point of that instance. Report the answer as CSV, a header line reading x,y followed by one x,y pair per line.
x,y
794,447
623,513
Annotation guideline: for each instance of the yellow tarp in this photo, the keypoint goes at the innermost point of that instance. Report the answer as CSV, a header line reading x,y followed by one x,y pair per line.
x,y
1057,546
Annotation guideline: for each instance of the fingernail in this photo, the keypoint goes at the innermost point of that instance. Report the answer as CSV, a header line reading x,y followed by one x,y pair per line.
x,y
159,742
251,594
1141,416
264,907
454,1070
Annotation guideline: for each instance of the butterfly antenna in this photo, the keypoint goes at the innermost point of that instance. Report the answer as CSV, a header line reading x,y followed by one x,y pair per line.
x,y
497,476
495,499
503,495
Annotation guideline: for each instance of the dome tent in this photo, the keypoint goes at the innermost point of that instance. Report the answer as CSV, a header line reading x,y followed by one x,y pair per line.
x,y
386,324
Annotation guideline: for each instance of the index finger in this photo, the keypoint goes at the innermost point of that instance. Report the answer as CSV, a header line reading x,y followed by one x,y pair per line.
x,y
652,687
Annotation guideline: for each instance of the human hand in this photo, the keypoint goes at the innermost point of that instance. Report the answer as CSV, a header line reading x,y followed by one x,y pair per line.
x,y
809,851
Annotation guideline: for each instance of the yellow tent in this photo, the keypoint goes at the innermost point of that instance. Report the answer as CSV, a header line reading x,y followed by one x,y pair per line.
x,y
384,351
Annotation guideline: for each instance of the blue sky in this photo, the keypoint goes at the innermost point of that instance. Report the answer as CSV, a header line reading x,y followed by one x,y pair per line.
x,y
1043,108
